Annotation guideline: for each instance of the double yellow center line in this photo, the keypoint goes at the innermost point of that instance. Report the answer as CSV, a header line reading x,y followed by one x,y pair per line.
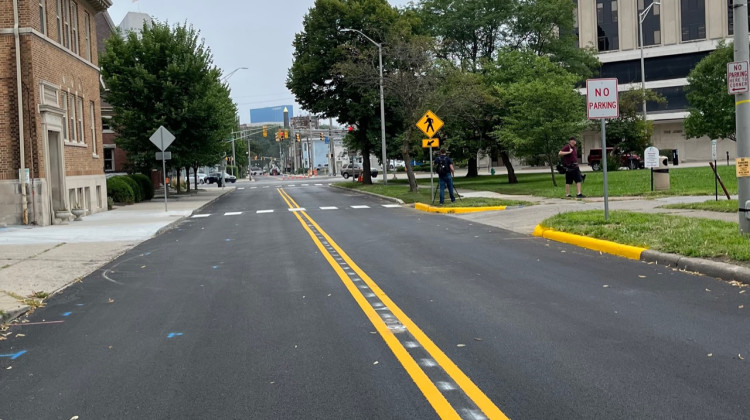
x,y
450,392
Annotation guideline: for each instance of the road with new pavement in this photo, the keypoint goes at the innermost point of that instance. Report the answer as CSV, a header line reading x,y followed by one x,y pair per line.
x,y
297,300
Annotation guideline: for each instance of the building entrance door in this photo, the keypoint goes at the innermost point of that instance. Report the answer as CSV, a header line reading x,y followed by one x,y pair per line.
x,y
55,175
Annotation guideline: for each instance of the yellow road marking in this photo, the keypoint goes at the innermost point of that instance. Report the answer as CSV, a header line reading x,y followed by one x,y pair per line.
x,y
428,388
744,101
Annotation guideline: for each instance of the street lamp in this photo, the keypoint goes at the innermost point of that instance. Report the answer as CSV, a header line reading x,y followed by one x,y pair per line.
x,y
641,17
382,104
231,73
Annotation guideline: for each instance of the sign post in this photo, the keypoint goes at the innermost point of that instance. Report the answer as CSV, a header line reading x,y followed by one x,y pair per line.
x,y
602,103
651,161
162,138
430,124
716,178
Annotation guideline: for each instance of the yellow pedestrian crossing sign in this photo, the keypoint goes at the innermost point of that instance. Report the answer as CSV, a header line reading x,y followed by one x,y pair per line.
x,y
428,143
430,124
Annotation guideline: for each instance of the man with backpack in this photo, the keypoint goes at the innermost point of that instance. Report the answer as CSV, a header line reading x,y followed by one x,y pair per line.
x,y
573,174
445,171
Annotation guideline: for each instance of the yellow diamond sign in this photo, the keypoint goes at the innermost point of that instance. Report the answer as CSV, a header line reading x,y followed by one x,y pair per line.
x,y
430,124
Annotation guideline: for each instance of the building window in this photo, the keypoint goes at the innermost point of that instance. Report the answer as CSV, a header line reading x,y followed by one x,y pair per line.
x,y
693,19
74,41
607,30
92,127
82,138
43,16
576,30
651,23
64,102
72,118
87,33
58,12
66,23
109,160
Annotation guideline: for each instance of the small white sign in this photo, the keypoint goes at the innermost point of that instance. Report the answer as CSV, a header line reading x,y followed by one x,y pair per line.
x,y
164,155
162,138
737,78
601,99
651,157
713,149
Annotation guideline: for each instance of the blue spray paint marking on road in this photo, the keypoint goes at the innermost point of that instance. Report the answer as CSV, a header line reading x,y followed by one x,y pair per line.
x,y
67,314
14,356
79,304
215,267
228,239
171,335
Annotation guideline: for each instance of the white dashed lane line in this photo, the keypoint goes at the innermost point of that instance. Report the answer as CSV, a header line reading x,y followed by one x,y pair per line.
x,y
238,213
198,216
233,213
360,207
329,208
264,211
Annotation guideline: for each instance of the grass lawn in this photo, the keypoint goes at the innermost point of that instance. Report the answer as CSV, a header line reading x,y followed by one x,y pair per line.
x,y
723,205
692,237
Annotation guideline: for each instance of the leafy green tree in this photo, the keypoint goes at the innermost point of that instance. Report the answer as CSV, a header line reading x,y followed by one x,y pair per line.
x,y
711,108
319,86
533,127
630,132
165,77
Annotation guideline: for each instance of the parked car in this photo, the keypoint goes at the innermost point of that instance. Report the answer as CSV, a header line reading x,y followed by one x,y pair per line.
x,y
348,171
628,160
214,177
256,171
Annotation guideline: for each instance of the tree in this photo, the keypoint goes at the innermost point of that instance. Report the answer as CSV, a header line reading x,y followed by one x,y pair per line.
x,y
536,127
712,109
630,132
314,79
165,77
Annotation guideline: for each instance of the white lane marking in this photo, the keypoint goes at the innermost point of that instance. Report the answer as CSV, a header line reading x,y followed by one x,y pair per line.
x,y
360,207
391,206
241,188
252,188
298,209
198,216
445,386
369,295
467,413
427,362
329,208
232,213
411,344
305,185
263,211
318,185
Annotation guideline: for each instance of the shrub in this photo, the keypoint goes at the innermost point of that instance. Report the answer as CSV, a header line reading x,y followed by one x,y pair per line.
x,y
110,203
146,186
120,190
137,192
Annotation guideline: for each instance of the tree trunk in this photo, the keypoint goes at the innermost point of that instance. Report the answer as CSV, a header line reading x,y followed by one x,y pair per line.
x,y
366,178
473,169
552,172
512,179
410,172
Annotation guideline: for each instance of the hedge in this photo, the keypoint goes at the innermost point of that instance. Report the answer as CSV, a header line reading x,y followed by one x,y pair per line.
x,y
120,190
146,186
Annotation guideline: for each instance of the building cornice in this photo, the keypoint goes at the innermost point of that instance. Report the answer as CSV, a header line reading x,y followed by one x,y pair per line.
x,y
100,5
31,31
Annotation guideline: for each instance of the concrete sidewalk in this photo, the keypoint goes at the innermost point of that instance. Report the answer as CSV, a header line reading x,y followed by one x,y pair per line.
x,y
45,260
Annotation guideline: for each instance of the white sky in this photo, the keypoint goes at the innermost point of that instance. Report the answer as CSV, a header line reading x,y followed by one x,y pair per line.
x,y
256,34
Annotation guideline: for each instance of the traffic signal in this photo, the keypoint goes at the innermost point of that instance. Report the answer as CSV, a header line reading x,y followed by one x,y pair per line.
x,y
286,134
322,137
296,136
265,131
279,135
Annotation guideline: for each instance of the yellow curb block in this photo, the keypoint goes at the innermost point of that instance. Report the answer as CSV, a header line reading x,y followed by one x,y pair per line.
x,y
454,210
627,251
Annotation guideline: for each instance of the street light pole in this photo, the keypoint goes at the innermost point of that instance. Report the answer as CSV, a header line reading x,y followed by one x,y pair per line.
x,y
382,102
231,73
641,17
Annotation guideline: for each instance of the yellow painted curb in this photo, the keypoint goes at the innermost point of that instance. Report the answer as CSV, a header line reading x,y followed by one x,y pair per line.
x,y
454,210
627,251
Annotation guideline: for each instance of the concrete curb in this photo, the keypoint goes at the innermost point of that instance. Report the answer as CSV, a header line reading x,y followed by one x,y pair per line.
x,y
455,210
710,268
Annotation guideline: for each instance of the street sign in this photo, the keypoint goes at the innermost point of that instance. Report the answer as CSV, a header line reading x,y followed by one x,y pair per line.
x,y
162,138
713,149
430,124
737,78
328,140
430,143
163,155
651,157
601,99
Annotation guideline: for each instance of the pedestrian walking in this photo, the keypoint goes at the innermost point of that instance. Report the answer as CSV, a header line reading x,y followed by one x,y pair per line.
x,y
445,171
569,155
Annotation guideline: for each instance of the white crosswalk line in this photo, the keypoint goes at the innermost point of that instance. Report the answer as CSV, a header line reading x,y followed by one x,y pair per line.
x,y
298,209
329,208
198,216
263,211
232,213
391,206
360,207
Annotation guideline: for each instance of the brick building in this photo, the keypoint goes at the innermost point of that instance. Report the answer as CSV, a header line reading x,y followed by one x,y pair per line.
x,y
50,46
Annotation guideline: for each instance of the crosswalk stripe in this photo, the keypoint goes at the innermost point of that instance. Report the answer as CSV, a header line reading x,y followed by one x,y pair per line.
x,y
232,213
198,216
391,206
329,208
360,207
264,211
298,209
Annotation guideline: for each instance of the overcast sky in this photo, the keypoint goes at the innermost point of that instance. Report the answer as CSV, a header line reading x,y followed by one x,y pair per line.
x,y
256,34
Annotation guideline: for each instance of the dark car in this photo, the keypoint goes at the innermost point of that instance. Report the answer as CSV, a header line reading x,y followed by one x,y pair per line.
x,y
348,171
214,177
627,160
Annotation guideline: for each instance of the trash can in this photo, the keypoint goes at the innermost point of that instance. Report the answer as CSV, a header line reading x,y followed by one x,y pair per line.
x,y
675,157
661,175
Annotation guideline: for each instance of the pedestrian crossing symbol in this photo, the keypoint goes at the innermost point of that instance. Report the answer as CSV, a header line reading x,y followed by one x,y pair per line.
x,y
430,124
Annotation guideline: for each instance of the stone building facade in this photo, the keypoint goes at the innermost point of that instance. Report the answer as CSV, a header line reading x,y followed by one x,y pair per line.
x,y
53,163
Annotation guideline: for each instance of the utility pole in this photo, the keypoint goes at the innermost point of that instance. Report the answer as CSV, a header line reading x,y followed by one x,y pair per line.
x,y
742,112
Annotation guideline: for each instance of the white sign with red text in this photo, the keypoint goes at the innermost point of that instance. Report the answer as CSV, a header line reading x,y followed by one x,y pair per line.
x,y
601,99
737,79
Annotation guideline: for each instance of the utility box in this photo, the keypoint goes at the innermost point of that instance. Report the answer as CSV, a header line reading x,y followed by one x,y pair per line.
x,y
661,175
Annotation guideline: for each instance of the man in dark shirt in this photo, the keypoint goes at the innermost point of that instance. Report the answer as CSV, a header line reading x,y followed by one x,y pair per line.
x,y
569,155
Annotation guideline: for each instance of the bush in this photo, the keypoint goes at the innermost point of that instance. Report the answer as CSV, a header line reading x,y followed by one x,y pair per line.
x,y
119,190
110,203
146,186
137,191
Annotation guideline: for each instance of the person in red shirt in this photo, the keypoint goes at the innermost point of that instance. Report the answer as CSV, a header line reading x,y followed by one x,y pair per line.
x,y
569,155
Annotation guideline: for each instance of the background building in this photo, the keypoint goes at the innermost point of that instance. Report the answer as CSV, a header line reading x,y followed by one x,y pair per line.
x,y
56,137
273,114
676,35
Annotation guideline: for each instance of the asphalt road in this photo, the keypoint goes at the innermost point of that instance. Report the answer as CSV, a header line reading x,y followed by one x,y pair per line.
x,y
313,302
